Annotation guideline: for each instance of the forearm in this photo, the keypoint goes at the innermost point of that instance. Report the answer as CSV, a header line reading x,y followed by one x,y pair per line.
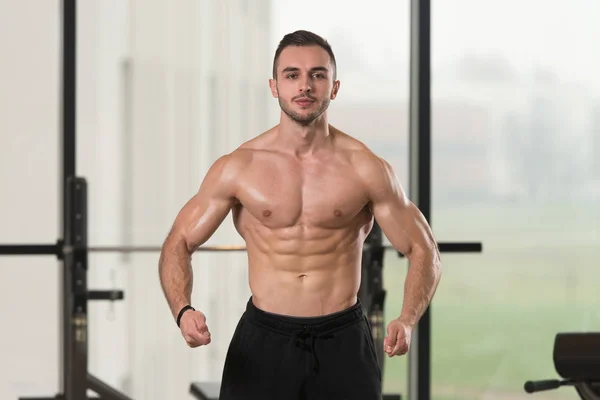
x,y
176,275
420,284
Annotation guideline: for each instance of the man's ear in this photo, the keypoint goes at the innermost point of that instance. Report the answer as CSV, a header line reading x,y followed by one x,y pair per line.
x,y
273,86
335,90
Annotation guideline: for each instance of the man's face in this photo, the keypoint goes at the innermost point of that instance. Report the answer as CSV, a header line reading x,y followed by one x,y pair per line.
x,y
304,84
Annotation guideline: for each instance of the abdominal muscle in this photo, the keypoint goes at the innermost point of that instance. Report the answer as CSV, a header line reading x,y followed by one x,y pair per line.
x,y
304,272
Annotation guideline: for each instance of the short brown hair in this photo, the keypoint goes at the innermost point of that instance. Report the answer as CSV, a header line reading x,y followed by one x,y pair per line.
x,y
303,38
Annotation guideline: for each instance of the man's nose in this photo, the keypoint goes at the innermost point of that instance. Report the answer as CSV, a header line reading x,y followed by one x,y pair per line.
x,y
305,85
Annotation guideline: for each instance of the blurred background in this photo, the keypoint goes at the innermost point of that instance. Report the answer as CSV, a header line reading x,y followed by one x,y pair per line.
x,y
165,88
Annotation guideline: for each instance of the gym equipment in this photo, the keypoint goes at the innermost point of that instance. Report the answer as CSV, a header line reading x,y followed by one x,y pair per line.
x,y
371,291
577,360
55,249
205,390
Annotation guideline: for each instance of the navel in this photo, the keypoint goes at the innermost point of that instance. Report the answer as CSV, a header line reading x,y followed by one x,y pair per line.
x,y
337,213
266,213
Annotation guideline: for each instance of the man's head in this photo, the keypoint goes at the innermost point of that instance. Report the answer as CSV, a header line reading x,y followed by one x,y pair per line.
x,y
304,76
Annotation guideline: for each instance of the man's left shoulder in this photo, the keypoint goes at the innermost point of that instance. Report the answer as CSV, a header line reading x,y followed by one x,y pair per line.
x,y
360,156
365,161
353,148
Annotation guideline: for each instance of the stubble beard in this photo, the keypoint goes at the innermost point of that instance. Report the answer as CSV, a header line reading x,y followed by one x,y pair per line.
x,y
303,120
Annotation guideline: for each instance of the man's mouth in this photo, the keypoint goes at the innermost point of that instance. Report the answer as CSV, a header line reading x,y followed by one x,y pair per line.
x,y
304,101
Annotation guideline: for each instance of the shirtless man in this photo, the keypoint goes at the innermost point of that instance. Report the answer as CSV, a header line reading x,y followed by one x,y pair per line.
x,y
303,196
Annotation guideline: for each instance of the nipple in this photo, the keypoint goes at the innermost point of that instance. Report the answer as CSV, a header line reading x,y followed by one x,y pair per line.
x,y
337,213
266,213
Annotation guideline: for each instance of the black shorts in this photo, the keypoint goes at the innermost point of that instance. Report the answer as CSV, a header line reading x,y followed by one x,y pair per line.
x,y
289,358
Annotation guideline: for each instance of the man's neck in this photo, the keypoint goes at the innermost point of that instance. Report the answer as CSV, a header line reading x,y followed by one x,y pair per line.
x,y
304,140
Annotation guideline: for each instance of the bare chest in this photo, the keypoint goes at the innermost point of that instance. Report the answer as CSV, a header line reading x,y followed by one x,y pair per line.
x,y
327,196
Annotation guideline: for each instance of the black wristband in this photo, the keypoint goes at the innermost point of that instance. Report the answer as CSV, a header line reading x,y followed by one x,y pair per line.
x,y
184,309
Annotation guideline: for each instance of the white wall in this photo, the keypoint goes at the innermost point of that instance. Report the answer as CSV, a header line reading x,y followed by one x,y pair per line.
x,y
164,88
29,202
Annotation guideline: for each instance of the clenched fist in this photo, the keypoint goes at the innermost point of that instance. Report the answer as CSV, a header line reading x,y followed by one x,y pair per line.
x,y
193,328
397,342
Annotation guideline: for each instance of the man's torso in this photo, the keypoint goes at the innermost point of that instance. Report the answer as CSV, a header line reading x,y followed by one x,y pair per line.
x,y
304,222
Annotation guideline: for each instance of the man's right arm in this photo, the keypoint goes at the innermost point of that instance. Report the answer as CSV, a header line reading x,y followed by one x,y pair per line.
x,y
195,223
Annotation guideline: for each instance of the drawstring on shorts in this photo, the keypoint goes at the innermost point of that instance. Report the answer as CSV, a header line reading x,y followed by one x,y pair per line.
x,y
306,339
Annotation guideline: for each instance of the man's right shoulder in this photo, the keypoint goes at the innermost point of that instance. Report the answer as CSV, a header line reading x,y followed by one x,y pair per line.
x,y
241,158
234,162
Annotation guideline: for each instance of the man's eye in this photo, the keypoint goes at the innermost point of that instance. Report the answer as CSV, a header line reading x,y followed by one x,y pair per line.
x,y
291,76
318,76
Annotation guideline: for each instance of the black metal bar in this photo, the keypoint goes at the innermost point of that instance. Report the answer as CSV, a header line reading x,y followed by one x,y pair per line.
x,y
106,295
69,92
72,389
419,382
466,247
31,250
371,292
56,249
75,267
105,391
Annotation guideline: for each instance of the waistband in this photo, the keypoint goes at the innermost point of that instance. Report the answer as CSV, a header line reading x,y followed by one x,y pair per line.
x,y
318,325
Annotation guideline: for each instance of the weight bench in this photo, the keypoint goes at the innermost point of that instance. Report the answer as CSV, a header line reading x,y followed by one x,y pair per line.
x,y
205,390
210,391
577,360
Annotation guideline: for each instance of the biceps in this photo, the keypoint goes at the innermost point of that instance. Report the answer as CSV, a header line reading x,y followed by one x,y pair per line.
x,y
199,219
404,225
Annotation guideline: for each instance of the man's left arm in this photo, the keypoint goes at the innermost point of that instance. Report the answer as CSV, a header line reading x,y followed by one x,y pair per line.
x,y
408,232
